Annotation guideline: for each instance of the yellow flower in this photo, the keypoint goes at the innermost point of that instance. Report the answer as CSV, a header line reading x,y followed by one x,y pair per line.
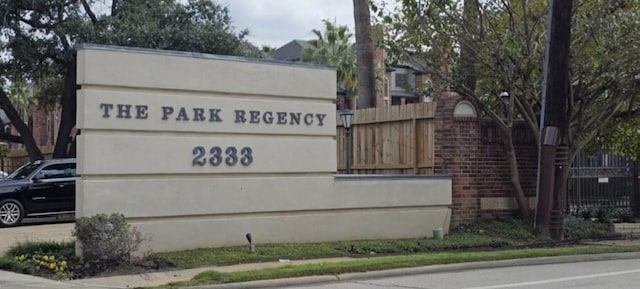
x,y
45,257
52,266
52,258
63,263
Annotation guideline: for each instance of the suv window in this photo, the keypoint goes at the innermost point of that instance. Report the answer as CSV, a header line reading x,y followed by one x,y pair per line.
x,y
58,171
24,171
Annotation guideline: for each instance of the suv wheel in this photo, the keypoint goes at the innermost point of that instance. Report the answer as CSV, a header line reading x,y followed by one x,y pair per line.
x,y
11,213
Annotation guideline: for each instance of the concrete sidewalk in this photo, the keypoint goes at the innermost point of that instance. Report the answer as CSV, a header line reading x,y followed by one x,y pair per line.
x,y
10,280
162,278
19,281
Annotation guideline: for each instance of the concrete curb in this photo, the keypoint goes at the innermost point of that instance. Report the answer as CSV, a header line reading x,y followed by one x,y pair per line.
x,y
278,283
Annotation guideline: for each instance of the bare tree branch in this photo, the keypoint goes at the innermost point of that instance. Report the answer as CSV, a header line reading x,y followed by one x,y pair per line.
x,y
87,9
11,138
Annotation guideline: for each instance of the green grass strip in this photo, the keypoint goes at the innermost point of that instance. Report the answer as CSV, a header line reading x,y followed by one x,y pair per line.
x,y
389,262
298,251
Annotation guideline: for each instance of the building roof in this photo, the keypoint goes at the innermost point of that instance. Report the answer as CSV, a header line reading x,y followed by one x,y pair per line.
x,y
291,51
418,67
402,93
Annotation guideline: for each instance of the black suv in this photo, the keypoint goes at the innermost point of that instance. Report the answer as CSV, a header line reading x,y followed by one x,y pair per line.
x,y
40,188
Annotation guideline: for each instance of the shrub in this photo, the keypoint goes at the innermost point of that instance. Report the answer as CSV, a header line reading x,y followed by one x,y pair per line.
x,y
106,240
605,214
622,214
517,230
580,228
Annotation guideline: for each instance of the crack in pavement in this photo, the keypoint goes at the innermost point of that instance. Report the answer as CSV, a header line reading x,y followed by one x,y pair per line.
x,y
389,285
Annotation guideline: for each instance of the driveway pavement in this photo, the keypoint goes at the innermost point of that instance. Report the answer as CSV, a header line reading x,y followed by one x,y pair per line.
x,y
31,232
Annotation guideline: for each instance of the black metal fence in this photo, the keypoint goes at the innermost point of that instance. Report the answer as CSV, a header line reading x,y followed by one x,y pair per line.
x,y
603,181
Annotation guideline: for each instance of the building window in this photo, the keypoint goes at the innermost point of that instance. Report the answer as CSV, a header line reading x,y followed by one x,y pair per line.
x,y
402,80
49,123
386,88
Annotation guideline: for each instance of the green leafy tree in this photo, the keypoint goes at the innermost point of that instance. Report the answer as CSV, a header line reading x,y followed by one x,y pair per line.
x,y
40,38
21,96
333,47
508,49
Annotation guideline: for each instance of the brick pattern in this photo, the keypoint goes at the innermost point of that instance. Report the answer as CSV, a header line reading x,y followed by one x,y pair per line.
x,y
494,176
478,166
457,142
44,125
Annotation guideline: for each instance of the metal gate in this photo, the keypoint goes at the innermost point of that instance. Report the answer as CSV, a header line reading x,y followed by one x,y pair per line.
x,y
605,181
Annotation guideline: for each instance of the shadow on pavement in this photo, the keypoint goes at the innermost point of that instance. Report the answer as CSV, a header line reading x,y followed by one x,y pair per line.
x,y
47,220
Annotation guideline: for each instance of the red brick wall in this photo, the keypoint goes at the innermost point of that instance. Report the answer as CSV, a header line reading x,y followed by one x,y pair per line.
x,y
494,170
457,141
420,80
471,151
44,125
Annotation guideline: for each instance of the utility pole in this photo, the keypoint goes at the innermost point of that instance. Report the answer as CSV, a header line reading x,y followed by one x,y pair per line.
x,y
554,123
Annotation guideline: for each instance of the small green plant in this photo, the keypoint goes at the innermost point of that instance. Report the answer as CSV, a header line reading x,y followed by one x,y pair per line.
x,y
603,215
47,262
587,213
49,259
622,214
580,228
106,240
516,230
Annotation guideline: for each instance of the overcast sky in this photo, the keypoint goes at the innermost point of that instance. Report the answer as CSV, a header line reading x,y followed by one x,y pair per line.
x,y
276,22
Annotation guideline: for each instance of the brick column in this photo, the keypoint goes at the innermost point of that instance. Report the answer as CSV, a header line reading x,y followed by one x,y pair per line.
x,y
457,142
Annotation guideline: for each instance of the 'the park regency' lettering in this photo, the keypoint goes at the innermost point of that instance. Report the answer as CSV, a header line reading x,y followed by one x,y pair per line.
x,y
198,114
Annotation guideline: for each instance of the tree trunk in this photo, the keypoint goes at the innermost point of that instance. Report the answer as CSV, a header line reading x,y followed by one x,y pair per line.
x,y
364,54
518,193
68,117
467,51
24,131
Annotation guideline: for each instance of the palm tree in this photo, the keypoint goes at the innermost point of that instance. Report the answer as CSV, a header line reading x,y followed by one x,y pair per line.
x,y
364,44
334,47
21,96
468,51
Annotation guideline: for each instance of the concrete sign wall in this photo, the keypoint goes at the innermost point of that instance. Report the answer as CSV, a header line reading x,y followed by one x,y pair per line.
x,y
198,150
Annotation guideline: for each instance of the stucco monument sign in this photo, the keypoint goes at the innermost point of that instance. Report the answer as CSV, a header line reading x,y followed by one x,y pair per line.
x,y
199,150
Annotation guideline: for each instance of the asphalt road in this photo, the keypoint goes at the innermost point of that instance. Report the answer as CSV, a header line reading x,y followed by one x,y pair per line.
x,y
619,274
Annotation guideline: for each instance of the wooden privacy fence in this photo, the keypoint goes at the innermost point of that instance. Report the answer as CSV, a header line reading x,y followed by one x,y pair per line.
x,y
390,140
18,157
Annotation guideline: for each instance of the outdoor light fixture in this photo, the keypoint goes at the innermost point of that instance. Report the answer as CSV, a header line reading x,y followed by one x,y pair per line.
x,y
252,247
346,116
504,96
